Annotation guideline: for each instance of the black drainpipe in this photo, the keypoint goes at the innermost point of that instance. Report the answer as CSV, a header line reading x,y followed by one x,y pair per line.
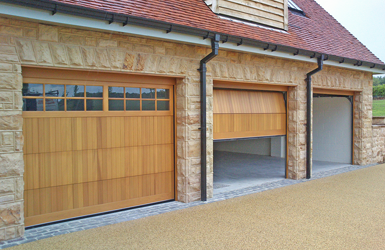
x,y
203,128
320,61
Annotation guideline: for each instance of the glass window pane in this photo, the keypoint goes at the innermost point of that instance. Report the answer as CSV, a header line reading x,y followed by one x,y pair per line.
x,y
132,92
32,104
54,104
163,94
132,105
75,105
116,92
163,105
115,104
148,105
32,89
54,90
148,93
75,91
94,91
95,105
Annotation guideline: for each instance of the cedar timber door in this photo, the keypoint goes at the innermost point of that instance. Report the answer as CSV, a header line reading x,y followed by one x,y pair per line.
x,y
95,142
248,113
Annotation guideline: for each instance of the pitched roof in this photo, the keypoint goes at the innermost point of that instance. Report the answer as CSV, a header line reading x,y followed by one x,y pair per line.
x,y
318,31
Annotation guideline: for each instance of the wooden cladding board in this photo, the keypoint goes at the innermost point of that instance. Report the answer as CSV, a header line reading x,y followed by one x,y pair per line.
x,y
241,114
333,92
76,166
75,76
267,12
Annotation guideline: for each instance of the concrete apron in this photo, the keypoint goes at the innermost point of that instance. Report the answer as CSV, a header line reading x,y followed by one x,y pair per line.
x,y
272,182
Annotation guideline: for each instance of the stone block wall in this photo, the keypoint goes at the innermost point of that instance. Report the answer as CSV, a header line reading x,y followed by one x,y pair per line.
x,y
378,144
378,120
11,138
378,140
41,45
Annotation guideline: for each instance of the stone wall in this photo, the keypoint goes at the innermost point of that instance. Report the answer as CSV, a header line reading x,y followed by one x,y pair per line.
x,y
11,139
30,43
378,120
378,140
378,144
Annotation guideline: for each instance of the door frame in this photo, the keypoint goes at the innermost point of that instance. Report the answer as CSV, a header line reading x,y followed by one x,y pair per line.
x,y
349,94
231,85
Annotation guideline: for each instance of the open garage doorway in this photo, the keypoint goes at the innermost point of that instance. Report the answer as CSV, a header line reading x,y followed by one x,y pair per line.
x,y
248,162
332,131
249,138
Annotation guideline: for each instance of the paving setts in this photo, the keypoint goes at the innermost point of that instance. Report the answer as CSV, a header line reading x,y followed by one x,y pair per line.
x,y
47,231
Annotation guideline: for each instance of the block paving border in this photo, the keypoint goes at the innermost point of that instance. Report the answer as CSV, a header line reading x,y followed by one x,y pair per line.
x,y
42,232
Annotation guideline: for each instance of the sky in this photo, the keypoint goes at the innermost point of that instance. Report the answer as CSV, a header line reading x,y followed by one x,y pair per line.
x,y
365,19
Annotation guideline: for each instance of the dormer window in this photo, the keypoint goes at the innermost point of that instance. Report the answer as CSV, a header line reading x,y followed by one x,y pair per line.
x,y
294,8
273,13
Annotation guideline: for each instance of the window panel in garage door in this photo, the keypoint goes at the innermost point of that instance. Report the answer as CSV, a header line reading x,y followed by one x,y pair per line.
x,y
241,114
81,158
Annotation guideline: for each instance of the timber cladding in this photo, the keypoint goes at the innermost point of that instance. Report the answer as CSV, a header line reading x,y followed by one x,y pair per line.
x,y
84,157
241,113
268,12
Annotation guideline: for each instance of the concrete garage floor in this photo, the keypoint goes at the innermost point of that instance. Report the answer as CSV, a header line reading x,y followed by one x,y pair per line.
x,y
233,171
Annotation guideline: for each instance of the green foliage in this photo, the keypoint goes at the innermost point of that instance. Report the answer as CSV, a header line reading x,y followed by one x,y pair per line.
x,y
377,81
379,91
379,108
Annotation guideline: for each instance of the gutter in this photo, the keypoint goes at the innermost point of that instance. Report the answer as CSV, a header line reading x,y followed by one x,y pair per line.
x,y
57,7
203,128
320,61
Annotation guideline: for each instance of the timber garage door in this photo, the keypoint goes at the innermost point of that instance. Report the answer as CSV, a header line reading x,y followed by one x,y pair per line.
x,y
95,142
248,113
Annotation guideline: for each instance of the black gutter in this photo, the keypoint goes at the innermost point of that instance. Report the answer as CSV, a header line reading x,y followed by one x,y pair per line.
x,y
57,7
320,61
203,70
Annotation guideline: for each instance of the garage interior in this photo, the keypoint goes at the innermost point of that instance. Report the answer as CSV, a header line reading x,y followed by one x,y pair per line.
x,y
249,138
248,162
332,131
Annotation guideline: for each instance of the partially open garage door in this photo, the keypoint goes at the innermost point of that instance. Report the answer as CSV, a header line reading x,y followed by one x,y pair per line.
x,y
95,142
248,113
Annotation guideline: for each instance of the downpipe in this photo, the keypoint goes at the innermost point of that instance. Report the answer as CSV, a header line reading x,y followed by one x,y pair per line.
x,y
203,128
320,61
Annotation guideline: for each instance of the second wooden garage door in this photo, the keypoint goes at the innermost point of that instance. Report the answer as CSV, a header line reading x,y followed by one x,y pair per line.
x,y
95,142
248,113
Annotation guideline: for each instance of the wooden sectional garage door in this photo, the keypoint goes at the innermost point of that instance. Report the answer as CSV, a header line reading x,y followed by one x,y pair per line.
x,y
248,113
95,142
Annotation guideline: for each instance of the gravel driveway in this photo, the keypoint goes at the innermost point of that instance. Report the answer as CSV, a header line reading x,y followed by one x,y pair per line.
x,y
345,211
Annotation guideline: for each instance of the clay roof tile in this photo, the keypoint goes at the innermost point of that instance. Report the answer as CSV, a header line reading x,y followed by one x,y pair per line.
x,y
317,31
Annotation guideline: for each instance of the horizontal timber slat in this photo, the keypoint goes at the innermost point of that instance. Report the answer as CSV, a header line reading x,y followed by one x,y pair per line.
x,y
47,135
240,114
227,126
266,12
249,86
64,168
76,209
94,76
248,102
332,92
